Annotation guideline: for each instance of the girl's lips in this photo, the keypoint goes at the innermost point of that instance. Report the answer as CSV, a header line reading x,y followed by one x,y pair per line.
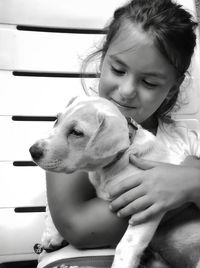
x,y
122,105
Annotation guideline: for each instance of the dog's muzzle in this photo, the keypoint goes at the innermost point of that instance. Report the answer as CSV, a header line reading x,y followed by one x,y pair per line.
x,y
36,152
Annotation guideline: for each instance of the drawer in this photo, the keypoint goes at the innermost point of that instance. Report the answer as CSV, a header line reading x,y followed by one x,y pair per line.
x,y
61,13
19,232
44,51
28,95
21,186
18,136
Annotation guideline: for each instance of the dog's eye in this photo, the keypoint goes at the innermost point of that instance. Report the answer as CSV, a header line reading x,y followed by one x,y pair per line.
x,y
76,132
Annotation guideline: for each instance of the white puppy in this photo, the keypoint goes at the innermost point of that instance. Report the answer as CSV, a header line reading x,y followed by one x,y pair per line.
x,y
92,135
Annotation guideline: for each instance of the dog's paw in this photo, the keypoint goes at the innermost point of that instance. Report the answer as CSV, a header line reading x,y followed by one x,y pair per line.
x,y
52,241
51,238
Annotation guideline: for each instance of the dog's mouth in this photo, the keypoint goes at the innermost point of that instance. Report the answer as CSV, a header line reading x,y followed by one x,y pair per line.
x,y
56,165
50,165
132,123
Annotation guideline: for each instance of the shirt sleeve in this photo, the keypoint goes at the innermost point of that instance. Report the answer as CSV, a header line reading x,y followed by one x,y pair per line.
x,y
182,137
194,141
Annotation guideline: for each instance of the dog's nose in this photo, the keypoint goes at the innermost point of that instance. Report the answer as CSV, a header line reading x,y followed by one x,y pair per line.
x,y
36,152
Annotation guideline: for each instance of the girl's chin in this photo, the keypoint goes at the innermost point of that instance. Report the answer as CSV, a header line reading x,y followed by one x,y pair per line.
x,y
130,113
125,109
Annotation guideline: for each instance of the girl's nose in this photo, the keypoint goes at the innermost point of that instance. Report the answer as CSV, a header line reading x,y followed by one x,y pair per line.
x,y
127,89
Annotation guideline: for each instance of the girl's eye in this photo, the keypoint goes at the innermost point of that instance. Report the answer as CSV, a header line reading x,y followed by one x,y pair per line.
x,y
117,71
149,84
76,133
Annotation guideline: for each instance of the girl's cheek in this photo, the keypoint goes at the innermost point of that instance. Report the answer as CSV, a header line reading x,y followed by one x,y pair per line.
x,y
105,86
103,92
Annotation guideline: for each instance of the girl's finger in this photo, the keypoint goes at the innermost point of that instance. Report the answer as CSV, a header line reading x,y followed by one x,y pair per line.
x,y
145,215
126,198
142,163
116,189
136,206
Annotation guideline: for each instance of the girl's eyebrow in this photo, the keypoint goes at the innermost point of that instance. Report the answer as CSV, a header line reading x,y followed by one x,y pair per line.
x,y
116,59
156,74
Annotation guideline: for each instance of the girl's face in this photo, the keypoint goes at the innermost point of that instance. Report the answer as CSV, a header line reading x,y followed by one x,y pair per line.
x,y
135,75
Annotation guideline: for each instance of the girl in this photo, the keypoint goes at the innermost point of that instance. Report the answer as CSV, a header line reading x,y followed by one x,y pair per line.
x,y
144,58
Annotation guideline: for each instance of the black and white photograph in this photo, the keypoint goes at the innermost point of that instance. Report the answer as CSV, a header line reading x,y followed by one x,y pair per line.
x,y
100,134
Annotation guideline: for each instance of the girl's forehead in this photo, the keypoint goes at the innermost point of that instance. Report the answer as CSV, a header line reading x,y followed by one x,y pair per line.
x,y
130,36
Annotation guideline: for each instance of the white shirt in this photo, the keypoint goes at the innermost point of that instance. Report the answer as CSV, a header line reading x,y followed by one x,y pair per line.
x,y
182,137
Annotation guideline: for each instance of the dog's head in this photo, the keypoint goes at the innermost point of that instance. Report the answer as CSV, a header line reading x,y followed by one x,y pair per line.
x,y
87,135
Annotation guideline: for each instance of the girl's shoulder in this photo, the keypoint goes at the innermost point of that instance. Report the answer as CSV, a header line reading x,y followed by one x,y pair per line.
x,y
183,135
179,127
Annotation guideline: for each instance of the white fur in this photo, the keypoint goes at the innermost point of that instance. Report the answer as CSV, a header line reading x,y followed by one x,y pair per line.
x,y
145,144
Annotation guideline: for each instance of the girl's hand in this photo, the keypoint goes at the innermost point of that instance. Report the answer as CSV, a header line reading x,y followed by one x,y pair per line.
x,y
157,189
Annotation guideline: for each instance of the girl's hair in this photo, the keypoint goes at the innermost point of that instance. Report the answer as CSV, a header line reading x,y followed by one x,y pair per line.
x,y
172,29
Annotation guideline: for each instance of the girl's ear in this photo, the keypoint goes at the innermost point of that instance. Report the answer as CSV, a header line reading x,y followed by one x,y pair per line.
x,y
175,89
180,81
101,62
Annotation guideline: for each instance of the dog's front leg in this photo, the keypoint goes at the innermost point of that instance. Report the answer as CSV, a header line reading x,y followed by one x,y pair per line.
x,y
132,245
51,238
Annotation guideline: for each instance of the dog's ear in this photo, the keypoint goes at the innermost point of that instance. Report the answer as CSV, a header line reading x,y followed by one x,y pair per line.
x,y
111,137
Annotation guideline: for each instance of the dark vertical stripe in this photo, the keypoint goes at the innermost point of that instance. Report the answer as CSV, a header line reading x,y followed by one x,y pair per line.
x,y
55,74
30,209
61,30
24,164
33,118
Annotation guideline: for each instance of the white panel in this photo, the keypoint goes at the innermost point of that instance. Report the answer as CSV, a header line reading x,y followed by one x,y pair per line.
x,y
58,13
36,95
21,186
39,51
189,5
18,136
63,13
19,232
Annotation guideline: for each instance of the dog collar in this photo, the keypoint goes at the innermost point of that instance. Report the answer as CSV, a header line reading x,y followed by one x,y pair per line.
x,y
117,158
132,123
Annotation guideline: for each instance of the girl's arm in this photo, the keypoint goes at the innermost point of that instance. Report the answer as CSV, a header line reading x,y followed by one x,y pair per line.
x,y
82,219
158,188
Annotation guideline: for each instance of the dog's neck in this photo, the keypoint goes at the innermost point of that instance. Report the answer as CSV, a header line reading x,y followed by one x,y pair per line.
x,y
115,160
119,163
121,160
141,144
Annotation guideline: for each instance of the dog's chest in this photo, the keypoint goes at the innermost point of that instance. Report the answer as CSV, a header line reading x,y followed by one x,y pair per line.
x,y
101,180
